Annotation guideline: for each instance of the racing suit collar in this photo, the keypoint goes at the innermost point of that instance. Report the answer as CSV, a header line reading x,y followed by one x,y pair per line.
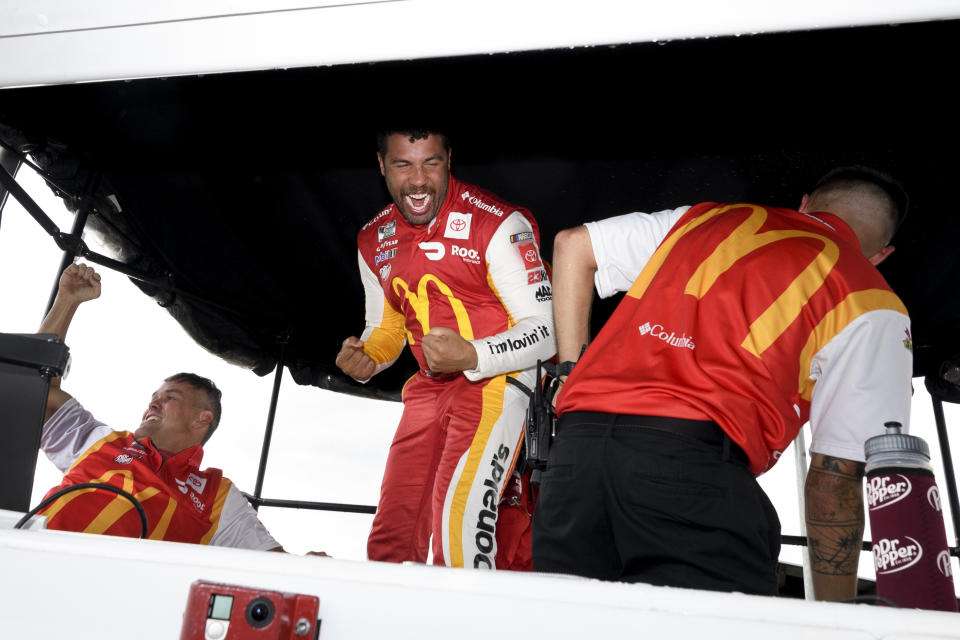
x,y
836,224
192,456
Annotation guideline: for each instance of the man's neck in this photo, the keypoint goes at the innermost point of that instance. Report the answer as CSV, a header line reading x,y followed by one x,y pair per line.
x,y
166,454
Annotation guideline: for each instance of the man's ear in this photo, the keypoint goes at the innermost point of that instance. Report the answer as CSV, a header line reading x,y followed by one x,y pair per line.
x,y
203,420
881,255
804,204
380,162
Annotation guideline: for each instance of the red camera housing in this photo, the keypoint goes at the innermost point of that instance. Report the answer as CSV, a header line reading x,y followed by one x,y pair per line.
x,y
231,612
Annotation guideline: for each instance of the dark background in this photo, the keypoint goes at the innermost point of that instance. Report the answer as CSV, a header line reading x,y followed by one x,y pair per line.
x,y
247,190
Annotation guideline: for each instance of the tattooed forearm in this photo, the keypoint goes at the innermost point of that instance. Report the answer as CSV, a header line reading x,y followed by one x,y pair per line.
x,y
838,465
834,514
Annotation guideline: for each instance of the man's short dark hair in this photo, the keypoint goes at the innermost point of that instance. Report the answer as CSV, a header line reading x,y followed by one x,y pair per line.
x,y
856,175
210,394
413,134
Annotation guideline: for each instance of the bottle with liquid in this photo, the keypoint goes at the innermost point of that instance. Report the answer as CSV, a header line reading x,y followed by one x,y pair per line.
x,y
910,551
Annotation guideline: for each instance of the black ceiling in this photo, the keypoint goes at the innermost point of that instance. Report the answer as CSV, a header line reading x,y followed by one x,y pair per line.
x,y
246,190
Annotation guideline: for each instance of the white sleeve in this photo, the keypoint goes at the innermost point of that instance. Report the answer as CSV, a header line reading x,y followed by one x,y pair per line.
x,y
239,526
863,379
69,432
622,245
374,302
525,292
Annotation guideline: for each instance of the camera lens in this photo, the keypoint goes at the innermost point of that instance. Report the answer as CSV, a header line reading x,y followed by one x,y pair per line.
x,y
259,612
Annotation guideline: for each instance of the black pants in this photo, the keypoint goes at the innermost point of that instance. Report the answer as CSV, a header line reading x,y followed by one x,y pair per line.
x,y
623,502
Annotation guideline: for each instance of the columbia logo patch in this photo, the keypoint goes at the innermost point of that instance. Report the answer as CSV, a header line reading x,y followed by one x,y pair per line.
x,y
657,331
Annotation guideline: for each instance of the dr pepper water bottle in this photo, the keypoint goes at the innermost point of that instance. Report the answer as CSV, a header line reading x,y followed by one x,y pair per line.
x,y
910,552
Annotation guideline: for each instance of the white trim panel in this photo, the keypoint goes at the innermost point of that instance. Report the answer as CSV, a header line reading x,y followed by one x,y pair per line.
x,y
86,587
62,41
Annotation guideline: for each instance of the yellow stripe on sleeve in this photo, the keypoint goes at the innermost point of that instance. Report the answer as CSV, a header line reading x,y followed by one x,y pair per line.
x,y
836,320
383,345
510,321
217,510
385,342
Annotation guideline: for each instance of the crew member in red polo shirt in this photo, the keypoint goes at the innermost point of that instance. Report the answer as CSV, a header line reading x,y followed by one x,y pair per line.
x,y
740,323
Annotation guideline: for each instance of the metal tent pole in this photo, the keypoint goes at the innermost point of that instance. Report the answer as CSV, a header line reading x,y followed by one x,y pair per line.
x,y
76,234
268,432
948,468
800,459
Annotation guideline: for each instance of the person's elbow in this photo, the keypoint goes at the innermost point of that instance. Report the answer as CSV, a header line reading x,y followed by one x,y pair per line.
x,y
573,248
56,398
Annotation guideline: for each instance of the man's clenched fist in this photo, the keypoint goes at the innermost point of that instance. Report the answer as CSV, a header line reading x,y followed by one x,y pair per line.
x,y
79,283
447,352
353,361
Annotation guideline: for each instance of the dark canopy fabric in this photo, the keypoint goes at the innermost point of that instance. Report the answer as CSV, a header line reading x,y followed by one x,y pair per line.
x,y
245,191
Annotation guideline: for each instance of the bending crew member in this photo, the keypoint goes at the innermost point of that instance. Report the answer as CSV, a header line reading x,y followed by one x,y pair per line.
x,y
740,323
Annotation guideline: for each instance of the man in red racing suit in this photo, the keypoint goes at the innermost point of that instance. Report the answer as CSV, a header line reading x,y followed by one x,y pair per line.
x,y
455,272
